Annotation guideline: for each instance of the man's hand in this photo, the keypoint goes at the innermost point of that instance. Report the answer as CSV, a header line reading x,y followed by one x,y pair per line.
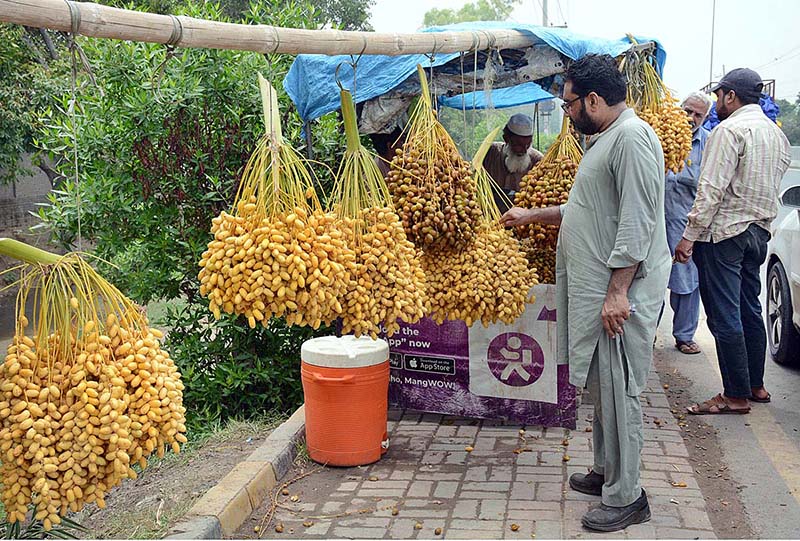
x,y
516,216
683,251
616,310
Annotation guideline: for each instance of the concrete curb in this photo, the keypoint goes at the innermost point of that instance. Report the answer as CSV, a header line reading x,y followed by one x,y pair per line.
x,y
227,505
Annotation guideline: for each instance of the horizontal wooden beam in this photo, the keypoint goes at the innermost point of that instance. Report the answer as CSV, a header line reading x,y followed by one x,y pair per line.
x,y
100,21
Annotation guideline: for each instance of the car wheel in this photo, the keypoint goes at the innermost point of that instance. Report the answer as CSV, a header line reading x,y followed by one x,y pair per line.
x,y
782,337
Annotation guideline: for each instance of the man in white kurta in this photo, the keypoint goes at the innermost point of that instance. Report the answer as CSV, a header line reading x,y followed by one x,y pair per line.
x,y
612,268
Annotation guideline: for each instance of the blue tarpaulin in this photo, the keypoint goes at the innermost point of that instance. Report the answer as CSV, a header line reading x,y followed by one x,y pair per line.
x,y
511,96
311,81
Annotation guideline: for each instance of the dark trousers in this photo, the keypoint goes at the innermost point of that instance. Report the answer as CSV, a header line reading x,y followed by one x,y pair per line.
x,y
730,283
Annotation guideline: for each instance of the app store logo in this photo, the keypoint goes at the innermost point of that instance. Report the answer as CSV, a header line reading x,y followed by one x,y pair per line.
x,y
515,359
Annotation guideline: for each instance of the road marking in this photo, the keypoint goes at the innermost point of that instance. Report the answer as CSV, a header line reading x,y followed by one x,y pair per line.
x,y
778,447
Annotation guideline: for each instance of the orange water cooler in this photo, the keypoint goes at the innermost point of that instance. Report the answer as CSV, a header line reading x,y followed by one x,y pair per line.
x,y
346,388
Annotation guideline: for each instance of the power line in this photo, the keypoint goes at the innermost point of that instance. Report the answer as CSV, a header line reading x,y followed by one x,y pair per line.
x,y
782,57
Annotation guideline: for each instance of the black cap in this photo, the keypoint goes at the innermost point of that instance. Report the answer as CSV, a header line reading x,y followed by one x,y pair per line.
x,y
745,82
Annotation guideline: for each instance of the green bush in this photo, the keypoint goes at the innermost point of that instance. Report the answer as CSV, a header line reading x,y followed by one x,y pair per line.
x,y
230,370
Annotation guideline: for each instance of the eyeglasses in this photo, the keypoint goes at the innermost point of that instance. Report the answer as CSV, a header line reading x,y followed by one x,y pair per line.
x,y
567,104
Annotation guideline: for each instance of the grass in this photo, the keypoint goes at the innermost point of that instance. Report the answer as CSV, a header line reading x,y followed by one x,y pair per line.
x,y
216,434
135,523
144,524
157,310
302,451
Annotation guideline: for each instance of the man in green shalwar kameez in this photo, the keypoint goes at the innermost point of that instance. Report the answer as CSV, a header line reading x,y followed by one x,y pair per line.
x,y
612,267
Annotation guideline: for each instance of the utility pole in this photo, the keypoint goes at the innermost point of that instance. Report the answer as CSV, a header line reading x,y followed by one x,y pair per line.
x,y
545,22
711,62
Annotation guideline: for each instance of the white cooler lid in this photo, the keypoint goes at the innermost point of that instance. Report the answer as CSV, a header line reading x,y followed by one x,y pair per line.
x,y
344,352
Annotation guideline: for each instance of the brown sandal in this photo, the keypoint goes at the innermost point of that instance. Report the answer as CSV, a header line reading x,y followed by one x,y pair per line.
x,y
688,348
715,406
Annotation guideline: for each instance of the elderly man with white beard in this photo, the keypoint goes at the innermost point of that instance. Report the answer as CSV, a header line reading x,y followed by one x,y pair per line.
x,y
509,161
680,192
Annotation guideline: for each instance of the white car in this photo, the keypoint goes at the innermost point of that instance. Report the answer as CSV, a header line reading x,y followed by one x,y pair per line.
x,y
783,283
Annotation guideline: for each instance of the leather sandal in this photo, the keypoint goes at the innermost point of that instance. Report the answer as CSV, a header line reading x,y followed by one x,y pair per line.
x,y
688,348
715,406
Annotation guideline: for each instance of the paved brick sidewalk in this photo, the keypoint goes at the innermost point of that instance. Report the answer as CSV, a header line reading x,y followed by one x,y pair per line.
x,y
508,478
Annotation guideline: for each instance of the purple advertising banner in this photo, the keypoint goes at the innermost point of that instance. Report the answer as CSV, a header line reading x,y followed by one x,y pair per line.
x,y
507,372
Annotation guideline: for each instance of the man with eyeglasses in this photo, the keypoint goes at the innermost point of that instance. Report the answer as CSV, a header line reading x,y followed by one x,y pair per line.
x,y
509,161
728,228
612,266
681,189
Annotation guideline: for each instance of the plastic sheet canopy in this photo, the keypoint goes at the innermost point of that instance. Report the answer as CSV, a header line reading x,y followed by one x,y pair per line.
x,y
312,79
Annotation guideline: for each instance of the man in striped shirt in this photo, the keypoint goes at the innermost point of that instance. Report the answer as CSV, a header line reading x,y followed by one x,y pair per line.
x,y
745,159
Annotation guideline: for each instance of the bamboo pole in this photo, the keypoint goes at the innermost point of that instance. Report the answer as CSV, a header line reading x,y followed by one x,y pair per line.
x,y
100,21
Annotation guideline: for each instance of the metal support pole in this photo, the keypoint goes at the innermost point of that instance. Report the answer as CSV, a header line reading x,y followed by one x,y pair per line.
x,y
309,141
545,21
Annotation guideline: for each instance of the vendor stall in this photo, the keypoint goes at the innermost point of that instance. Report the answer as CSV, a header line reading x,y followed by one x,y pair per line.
x,y
502,371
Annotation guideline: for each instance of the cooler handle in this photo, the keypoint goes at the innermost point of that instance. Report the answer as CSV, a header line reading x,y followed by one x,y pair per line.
x,y
385,443
325,379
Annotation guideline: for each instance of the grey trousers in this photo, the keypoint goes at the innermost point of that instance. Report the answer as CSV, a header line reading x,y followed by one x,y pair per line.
x,y
687,312
617,436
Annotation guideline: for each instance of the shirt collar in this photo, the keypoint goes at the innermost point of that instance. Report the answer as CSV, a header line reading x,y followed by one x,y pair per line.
x,y
744,109
623,116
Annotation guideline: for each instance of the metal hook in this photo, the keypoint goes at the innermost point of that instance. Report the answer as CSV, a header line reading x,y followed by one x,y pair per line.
x,y
75,49
158,74
432,57
354,65
499,56
177,32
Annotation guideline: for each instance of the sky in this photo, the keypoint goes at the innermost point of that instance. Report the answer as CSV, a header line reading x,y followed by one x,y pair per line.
x,y
762,35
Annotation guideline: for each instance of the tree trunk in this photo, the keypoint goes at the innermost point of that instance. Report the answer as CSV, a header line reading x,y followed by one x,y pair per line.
x,y
53,176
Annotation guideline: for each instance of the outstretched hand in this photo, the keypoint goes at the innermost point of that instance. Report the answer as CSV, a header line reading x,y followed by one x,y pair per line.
x,y
516,216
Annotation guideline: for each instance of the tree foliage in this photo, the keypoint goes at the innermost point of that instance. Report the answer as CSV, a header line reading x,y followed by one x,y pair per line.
x,y
28,82
31,81
344,14
790,119
481,10
340,14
